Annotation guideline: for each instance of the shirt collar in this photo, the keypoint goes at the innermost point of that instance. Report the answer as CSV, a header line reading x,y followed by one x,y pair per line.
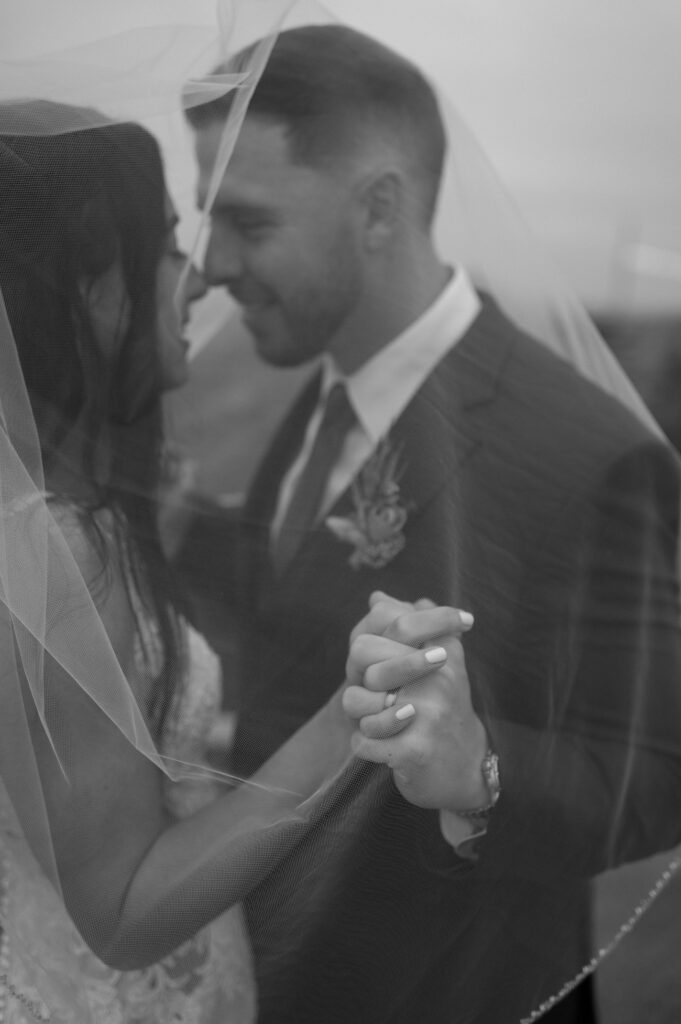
x,y
383,386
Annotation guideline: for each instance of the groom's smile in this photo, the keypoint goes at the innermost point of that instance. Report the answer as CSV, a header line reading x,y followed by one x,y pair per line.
x,y
282,241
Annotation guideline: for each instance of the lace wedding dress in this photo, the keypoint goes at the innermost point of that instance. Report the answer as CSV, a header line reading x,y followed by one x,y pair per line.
x,y
207,980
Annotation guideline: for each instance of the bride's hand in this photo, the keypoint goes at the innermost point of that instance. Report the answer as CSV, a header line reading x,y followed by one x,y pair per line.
x,y
413,706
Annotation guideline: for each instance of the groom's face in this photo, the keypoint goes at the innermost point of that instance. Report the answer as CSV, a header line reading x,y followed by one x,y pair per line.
x,y
283,241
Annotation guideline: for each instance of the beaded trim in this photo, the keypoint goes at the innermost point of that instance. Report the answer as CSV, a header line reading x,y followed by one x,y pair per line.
x,y
7,989
645,904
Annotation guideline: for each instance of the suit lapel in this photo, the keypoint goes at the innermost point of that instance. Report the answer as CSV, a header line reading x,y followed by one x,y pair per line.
x,y
437,434
443,427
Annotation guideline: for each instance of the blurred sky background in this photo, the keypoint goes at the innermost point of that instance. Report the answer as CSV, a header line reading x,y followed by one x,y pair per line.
x,y
576,102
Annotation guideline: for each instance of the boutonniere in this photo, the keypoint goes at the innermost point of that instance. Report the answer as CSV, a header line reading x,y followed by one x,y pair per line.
x,y
375,528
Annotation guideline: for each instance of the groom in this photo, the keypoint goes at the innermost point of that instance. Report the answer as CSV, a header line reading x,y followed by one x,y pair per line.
x,y
438,452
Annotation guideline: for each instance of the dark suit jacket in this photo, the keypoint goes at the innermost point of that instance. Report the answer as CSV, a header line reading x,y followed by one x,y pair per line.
x,y
547,510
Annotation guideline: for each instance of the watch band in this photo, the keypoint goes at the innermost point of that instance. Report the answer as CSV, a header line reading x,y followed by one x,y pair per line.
x,y
490,774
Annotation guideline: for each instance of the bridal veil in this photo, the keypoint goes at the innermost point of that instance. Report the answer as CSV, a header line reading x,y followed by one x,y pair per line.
x,y
153,75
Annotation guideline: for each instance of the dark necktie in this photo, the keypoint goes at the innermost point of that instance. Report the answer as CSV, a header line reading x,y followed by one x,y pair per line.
x,y
306,499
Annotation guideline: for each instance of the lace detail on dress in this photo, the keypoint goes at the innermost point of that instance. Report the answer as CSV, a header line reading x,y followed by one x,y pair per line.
x,y
207,980
55,977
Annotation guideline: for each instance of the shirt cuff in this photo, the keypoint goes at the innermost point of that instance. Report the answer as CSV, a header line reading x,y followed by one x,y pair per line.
x,y
462,834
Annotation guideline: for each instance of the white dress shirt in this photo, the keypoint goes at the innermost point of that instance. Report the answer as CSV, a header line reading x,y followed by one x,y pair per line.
x,y
380,390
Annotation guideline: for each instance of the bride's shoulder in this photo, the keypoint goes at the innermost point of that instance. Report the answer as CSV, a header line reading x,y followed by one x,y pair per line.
x,y
50,522
82,526
78,521
93,539
69,558
90,537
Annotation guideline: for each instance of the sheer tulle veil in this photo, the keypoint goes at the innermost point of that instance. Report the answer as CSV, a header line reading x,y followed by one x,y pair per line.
x,y
48,613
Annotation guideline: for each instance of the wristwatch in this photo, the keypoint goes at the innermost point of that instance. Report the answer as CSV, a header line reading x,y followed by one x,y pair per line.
x,y
490,774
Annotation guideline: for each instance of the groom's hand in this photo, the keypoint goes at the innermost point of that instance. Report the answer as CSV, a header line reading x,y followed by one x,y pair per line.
x,y
427,732
388,616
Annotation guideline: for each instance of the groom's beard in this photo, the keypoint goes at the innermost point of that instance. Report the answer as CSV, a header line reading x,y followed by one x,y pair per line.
x,y
295,324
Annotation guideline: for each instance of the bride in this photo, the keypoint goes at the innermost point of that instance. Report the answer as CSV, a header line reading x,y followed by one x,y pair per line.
x,y
121,902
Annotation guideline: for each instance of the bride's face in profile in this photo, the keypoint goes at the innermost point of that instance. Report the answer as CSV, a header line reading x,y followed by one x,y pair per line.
x,y
177,287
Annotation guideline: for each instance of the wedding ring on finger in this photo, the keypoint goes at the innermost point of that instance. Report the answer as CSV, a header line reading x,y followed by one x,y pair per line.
x,y
403,713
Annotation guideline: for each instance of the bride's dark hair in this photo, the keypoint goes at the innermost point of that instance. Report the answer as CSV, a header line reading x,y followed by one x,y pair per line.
x,y
74,206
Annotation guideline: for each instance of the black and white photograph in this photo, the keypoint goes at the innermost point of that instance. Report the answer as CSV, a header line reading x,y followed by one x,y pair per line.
x,y
340,508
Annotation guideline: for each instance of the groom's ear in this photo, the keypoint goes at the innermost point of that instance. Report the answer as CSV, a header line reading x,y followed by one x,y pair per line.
x,y
382,207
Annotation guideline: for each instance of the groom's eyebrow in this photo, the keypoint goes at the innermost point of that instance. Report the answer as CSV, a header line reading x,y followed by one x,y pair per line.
x,y
227,206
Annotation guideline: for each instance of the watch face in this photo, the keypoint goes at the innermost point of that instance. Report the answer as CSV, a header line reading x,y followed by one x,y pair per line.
x,y
490,772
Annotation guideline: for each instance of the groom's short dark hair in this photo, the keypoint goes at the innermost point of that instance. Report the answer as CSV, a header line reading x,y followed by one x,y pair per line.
x,y
324,82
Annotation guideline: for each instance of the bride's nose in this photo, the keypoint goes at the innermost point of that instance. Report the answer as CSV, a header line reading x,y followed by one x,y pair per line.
x,y
195,285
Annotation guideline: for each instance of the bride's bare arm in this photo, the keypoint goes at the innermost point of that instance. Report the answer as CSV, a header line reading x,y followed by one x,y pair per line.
x,y
136,882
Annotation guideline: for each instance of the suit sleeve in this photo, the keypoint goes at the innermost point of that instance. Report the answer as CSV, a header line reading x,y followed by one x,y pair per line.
x,y
593,779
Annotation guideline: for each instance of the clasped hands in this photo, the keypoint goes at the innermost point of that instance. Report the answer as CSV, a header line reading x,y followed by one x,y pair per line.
x,y
409,693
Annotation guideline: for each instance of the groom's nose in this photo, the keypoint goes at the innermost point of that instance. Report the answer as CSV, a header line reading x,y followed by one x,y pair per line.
x,y
223,260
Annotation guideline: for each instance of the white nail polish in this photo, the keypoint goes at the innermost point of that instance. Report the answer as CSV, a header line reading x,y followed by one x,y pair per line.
x,y
436,655
466,618
408,711
390,699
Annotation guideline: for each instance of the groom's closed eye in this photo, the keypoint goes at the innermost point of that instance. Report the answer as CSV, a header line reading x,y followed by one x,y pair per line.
x,y
252,225
250,222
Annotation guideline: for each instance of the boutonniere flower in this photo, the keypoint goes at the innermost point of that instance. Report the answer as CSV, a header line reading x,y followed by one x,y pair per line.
x,y
375,528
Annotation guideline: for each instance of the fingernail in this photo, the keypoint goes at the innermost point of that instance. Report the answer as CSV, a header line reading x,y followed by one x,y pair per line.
x,y
436,655
408,711
466,618
390,699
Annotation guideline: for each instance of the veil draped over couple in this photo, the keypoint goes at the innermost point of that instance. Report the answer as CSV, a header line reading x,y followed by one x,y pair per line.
x,y
454,577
